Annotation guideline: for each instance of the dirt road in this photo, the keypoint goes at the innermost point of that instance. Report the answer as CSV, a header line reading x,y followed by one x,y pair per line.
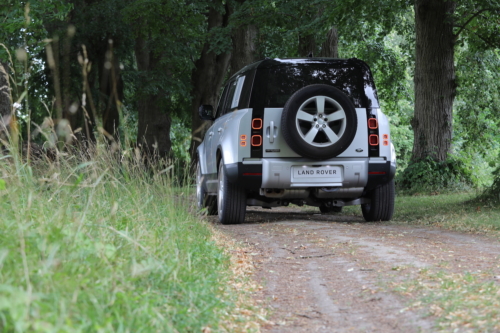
x,y
335,273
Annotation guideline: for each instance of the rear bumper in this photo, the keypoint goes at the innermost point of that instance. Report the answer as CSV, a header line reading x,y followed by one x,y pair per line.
x,y
277,173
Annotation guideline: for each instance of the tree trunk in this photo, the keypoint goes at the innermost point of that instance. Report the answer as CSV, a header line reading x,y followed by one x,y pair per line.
x,y
153,134
207,78
244,47
330,47
434,79
307,46
110,90
58,63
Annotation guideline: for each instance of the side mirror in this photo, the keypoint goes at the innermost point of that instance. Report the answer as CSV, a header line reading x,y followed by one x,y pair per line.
x,y
206,112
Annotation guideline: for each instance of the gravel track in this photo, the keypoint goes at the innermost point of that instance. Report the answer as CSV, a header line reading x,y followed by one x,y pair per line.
x,y
332,272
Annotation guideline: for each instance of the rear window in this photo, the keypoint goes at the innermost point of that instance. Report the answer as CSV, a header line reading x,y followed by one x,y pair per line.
x,y
275,85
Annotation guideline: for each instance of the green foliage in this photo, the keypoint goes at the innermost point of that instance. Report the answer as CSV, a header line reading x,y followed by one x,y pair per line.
x,y
394,86
23,33
477,24
492,193
402,138
478,102
476,137
180,135
428,175
219,39
278,42
23,22
278,27
174,31
389,55
381,33
87,245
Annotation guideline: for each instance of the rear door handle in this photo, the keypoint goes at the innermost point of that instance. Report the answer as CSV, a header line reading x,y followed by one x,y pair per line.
x,y
271,131
220,129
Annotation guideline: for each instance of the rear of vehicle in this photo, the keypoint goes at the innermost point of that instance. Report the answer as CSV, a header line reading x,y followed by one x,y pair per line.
x,y
302,131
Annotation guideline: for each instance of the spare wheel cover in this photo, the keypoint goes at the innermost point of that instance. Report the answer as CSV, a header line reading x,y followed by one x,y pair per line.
x,y
319,122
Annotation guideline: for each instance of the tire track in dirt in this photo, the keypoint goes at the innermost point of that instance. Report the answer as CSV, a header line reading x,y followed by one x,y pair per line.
x,y
332,273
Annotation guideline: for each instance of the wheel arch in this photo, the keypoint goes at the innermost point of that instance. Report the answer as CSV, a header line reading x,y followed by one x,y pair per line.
x,y
202,158
219,158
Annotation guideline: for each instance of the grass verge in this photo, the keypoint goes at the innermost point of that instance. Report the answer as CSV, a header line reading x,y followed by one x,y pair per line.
x,y
460,301
94,246
457,211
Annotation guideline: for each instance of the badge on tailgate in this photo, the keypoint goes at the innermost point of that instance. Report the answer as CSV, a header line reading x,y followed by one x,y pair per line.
x,y
323,173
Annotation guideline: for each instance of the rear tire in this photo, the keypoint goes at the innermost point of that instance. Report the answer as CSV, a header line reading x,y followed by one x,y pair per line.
x,y
381,207
231,199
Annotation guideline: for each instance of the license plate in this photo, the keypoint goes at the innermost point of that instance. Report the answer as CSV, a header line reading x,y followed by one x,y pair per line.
x,y
324,173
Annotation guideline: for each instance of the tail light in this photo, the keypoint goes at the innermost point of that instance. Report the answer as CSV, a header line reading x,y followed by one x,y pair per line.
x,y
385,139
372,123
243,140
256,140
373,135
256,136
256,123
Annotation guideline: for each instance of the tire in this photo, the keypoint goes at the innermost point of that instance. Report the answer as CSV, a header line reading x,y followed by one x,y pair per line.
x,y
231,199
319,122
381,207
324,209
202,199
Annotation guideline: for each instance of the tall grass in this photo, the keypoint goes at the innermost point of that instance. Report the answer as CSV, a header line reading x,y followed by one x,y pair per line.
x,y
101,245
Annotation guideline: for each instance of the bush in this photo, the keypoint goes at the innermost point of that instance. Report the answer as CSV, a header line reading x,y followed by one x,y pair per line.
x,y
428,175
492,193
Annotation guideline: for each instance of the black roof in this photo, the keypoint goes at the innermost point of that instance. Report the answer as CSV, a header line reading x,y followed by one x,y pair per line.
x,y
269,63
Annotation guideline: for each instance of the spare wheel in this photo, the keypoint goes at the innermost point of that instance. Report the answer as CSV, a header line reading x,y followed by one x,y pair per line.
x,y
319,121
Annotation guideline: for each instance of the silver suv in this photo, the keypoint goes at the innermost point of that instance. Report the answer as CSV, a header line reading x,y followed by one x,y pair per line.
x,y
302,131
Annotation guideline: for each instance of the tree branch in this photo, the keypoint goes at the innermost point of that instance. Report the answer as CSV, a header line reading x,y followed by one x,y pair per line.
x,y
455,36
486,41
